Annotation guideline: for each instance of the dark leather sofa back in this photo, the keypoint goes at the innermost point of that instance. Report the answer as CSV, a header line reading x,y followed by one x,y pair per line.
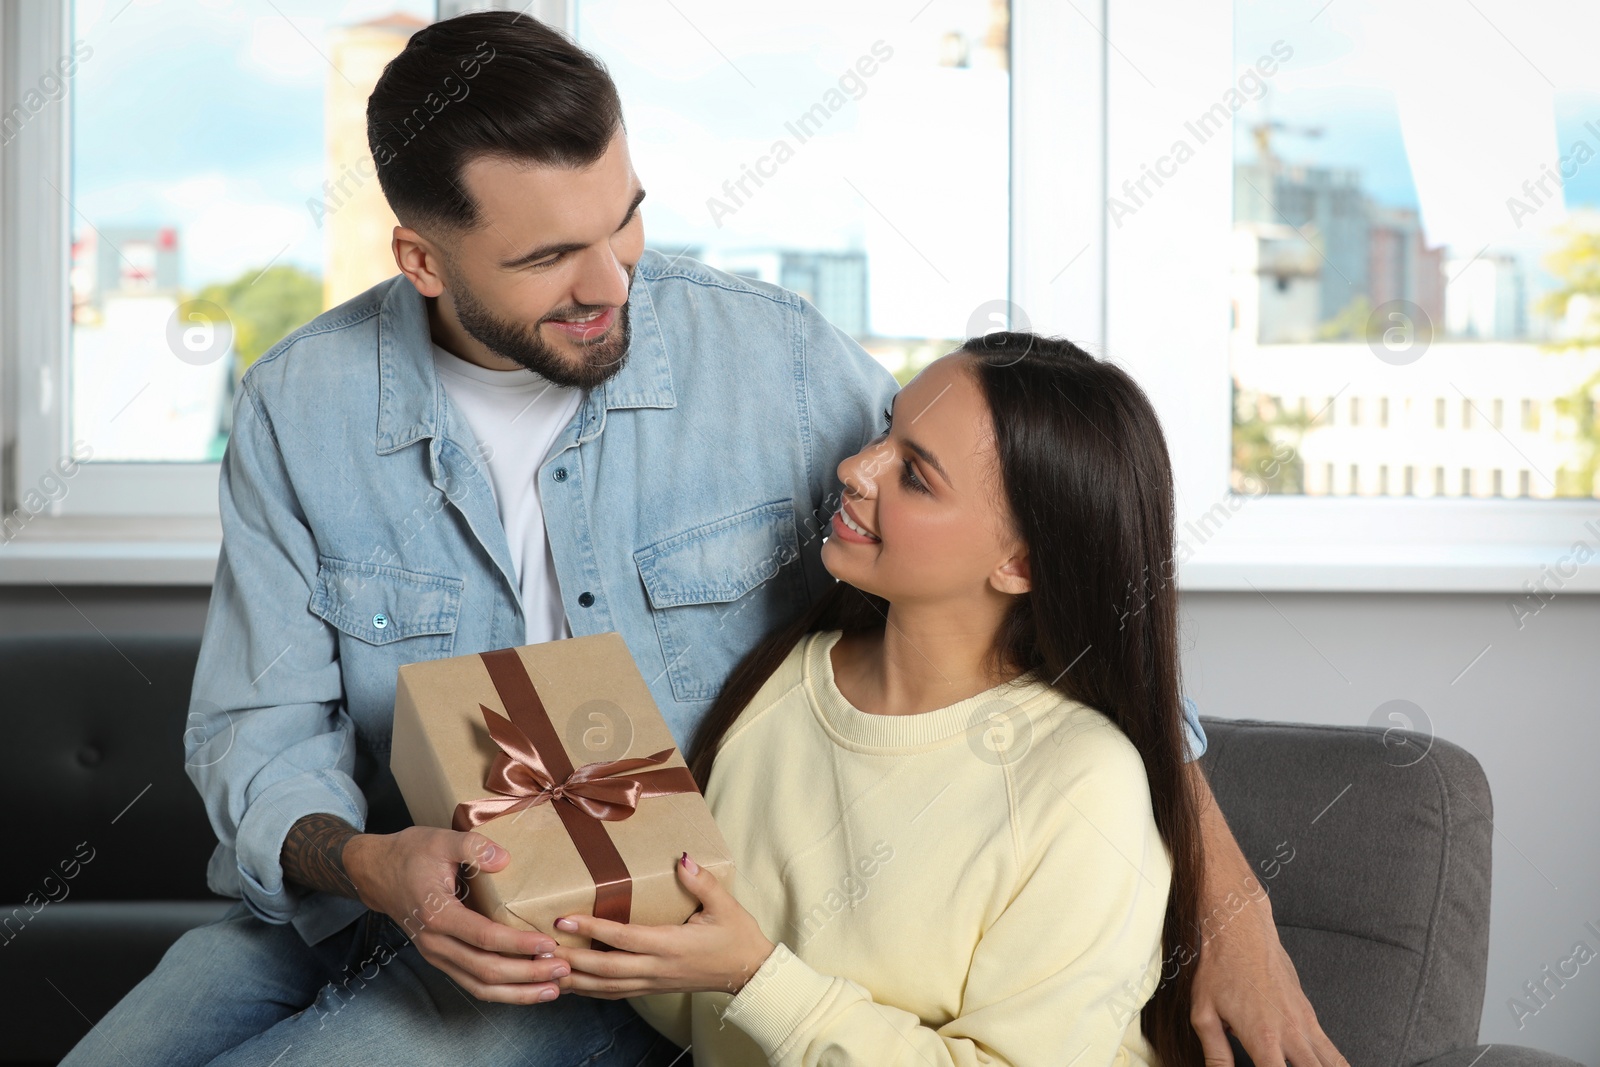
x,y
106,839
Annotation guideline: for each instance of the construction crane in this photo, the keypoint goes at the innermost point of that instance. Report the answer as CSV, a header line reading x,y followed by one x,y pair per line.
x,y
1262,132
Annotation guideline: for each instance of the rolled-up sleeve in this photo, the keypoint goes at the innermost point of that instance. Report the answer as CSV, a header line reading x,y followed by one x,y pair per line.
x,y
268,738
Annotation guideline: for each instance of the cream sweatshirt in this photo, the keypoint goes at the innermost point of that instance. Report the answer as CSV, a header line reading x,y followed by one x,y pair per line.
x,y
936,897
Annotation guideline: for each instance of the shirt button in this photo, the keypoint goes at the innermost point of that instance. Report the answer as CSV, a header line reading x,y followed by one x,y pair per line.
x,y
585,599
560,474
380,620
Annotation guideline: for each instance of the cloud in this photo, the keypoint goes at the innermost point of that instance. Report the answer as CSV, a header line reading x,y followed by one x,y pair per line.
x,y
287,49
228,226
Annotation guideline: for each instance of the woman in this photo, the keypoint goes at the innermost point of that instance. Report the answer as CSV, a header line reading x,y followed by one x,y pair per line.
x,y
954,789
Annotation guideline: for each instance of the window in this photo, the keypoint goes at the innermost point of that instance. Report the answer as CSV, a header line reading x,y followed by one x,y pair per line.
x,y
1344,176
210,206
1378,175
193,255
1365,189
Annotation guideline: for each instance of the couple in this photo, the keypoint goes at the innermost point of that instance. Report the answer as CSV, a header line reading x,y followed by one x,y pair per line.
x,y
943,733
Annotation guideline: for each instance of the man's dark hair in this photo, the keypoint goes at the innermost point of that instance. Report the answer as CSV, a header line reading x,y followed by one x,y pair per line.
x,y
486,84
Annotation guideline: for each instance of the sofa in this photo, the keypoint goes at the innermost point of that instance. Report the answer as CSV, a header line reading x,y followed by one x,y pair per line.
x,y
108,841
1374,847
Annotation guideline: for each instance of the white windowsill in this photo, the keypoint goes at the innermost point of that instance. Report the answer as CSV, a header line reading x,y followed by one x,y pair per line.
x,y
1310,568
161,551
1391,545
112,551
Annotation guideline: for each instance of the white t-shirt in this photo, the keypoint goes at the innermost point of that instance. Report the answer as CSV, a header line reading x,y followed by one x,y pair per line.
x,y
517,415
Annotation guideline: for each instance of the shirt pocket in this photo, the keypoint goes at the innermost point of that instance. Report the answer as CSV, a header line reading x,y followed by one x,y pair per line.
x,y
405,616
715,590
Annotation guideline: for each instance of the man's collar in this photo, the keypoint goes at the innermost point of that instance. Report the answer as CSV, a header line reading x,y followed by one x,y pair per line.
x,y
410,397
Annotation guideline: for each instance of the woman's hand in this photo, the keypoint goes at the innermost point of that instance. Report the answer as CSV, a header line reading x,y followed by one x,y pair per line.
x,y
717,949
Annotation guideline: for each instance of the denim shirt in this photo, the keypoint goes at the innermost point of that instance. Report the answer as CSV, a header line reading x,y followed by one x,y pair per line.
x,y
685,505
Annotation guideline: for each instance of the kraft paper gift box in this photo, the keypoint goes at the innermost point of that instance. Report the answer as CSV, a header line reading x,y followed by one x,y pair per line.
x,y
557,752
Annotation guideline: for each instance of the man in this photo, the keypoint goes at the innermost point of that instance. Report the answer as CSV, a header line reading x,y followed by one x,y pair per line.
x,y
539,430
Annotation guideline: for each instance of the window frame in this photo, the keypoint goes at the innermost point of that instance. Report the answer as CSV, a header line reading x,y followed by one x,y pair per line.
x,y
39,302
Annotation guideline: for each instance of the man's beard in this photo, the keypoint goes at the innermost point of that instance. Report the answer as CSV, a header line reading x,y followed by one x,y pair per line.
x,y
602,359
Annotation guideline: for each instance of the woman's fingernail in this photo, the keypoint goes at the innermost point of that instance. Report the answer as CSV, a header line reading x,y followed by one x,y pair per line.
x,y
543,955
690,865
547,994
560,970
566,924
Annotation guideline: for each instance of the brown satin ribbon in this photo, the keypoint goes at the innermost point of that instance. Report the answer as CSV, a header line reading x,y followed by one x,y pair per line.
x,y
532,767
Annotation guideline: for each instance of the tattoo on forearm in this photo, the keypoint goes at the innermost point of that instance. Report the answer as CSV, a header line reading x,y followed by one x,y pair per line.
x,y
313,854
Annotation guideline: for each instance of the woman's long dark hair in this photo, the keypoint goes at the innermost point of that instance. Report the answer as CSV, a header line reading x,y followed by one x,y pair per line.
x,y
1086,473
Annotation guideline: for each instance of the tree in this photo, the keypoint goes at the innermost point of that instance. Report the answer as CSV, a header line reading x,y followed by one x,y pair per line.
x,y
1577,264
1352,323
1261,429
263,306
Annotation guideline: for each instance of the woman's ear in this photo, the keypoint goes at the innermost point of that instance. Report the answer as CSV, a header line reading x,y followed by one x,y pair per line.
x,y
1013,576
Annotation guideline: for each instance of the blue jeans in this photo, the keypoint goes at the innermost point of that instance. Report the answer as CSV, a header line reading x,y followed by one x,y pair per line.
x,y
242,991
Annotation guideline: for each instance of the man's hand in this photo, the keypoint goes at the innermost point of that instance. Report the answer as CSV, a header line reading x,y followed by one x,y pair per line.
x,y
411,876
1245,982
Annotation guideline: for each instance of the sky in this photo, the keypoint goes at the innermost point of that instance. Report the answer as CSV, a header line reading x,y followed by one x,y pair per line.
x,y
1446,114
206,114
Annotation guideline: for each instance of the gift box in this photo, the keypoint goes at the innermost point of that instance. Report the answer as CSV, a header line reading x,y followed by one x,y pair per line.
x,y
557,752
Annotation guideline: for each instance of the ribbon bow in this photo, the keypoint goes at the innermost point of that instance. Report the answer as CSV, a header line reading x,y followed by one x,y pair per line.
x,y
602,790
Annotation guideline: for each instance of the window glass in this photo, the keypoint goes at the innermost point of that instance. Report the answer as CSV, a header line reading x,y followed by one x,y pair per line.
x,y
857,156
217,201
